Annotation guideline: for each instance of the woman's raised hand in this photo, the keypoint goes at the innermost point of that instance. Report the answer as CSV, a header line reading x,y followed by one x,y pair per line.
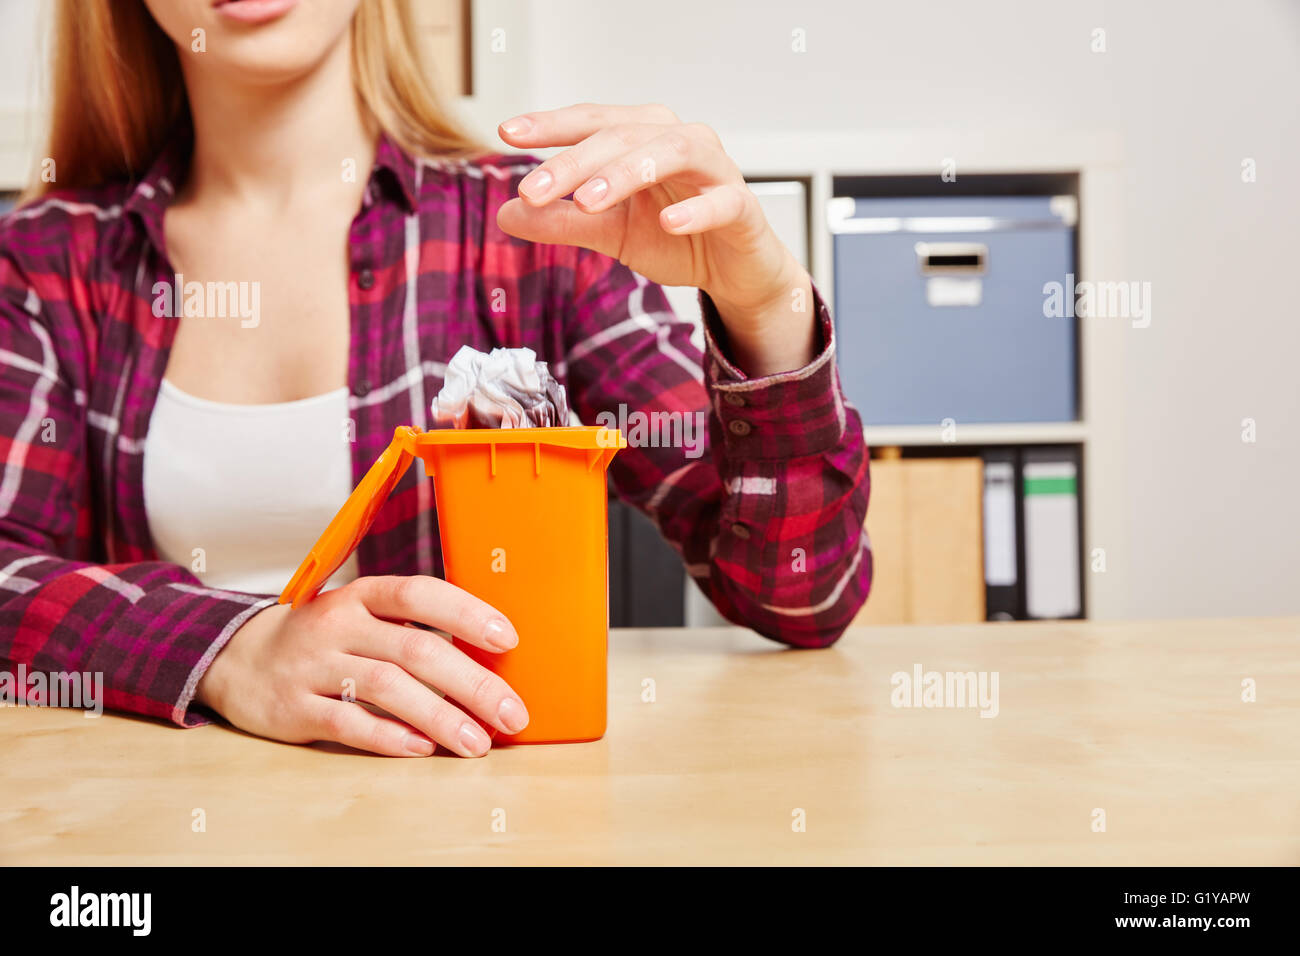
x,y
665,199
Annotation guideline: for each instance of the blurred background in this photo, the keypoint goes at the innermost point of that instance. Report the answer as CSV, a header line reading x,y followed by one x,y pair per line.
x,y
1059,241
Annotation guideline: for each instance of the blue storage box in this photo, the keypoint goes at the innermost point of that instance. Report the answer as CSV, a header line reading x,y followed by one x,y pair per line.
x,y
939,308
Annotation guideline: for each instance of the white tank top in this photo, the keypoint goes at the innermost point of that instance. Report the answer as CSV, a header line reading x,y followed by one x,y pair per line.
x,y
238,494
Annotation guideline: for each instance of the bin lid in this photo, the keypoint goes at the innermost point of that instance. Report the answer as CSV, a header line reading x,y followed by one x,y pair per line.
x,y
354,519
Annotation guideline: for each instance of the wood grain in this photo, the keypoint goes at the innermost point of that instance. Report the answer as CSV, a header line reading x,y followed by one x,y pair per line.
x,y
1143,720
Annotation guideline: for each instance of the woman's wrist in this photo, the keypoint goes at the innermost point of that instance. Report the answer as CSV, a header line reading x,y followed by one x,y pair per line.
x,y
210,691
776,332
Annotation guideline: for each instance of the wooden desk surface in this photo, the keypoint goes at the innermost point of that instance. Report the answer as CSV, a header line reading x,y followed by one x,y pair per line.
x,y
1144,721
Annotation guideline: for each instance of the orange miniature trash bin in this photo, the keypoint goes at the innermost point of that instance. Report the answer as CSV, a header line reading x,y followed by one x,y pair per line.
x,y
523,522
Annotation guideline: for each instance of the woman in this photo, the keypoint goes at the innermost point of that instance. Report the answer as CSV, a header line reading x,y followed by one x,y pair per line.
x,y
257,241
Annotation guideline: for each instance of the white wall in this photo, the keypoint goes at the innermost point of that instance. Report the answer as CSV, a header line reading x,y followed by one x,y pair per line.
x,y
1193,87
23,25
20,67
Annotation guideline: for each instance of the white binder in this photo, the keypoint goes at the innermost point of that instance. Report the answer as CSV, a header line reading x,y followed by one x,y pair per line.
x,y
1051,508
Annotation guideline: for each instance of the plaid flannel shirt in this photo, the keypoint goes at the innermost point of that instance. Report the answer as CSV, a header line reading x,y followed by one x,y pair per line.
x,y
768,519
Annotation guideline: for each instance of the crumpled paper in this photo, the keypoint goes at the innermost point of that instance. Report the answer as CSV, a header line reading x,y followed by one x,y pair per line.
x,y
505,388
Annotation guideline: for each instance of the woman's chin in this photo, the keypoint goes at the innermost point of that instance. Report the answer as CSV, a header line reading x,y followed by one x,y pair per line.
x,y
259,65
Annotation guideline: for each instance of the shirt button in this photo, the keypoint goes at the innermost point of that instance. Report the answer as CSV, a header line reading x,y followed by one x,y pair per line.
x,y
734,400
366,279
361,389
740,531
740,427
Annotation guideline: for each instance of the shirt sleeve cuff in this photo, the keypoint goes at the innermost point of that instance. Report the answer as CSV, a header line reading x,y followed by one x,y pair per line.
x,y
205,619
777,417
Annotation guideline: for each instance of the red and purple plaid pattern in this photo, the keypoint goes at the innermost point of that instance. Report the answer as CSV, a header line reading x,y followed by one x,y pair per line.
x,y
768,519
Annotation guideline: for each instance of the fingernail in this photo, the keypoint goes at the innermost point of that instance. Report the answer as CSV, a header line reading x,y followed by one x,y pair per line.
x,y
512,715
517,126
592,192
500,634
536,183
420,746
473,742
677,217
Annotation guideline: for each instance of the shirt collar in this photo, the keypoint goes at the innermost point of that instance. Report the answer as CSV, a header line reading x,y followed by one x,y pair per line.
x,y
153,193
151,196
400,167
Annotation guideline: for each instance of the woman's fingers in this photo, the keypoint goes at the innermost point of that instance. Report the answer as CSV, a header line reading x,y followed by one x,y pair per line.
x,y
393,666
387,685
572,124
563,223
718,207
616,152
566,171
440,664
691,154
616,162
356,727
432,601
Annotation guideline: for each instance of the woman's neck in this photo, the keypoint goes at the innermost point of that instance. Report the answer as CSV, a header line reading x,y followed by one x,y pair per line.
x,y
278,146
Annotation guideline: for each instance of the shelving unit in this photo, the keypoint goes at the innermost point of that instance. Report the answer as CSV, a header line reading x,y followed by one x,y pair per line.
x,y
1094,157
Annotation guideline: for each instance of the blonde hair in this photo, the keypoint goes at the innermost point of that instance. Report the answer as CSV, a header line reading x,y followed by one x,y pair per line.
x,y
117,89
